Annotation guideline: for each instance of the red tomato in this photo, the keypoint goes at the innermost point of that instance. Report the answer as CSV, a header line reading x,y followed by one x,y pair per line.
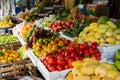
x,y
91,50
70,62
78,58
48,56
67,58
97,57
97,51
52,61
66,66
81,52
74,55
61,61
67,53
82,46
60,50
59,56
52,68
94,44
86,53
60,67
86,44
70,48
67,42
59,39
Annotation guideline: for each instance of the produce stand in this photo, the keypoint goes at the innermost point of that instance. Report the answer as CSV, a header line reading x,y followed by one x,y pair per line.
x,y
70,45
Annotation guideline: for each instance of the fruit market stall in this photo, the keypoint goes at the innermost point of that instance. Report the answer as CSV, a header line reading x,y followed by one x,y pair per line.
x,y
62,46
53,54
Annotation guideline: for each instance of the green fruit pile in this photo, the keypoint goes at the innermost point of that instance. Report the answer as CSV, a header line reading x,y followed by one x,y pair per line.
x,y
30,17
6,39
91,69
74,32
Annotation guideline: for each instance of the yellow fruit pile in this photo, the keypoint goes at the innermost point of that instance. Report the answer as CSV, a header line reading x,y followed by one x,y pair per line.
x,y
9,56
91,69
25,29
101,33
6,24
41,50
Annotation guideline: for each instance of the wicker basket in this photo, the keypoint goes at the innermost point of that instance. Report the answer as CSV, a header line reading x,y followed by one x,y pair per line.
x,y
15,70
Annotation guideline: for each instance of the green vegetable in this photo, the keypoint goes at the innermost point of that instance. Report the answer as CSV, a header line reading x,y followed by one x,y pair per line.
x,y
102,20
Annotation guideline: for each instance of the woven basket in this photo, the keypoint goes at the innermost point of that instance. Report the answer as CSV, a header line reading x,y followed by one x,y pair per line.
x,y
13,71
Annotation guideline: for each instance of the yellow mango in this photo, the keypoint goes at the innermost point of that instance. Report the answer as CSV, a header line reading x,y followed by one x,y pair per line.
x,y
109,34
102,30
104,26
118,37
98,35
102,40
110,40
86,29
94,24
112,25
117,42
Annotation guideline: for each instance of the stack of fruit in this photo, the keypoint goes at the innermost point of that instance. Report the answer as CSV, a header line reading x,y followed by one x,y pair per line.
x,y
103,32
63,58
9,56
74,32
9,21
28,17
61,26
25,30
6,39
6,24
91,69
44,22
38,33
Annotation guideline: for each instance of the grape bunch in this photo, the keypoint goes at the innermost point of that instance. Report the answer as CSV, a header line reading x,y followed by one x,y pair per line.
x,y
39,34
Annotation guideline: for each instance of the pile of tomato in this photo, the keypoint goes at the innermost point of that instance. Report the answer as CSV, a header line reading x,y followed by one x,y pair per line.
x,y
63,58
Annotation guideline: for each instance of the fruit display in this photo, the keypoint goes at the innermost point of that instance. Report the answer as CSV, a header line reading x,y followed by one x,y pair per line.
x,y
63,58
103,32
38,33
28,17
74,32
91,69
61,26
6,24
6,39
44,22
49,46
9,21
9,56
25,29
